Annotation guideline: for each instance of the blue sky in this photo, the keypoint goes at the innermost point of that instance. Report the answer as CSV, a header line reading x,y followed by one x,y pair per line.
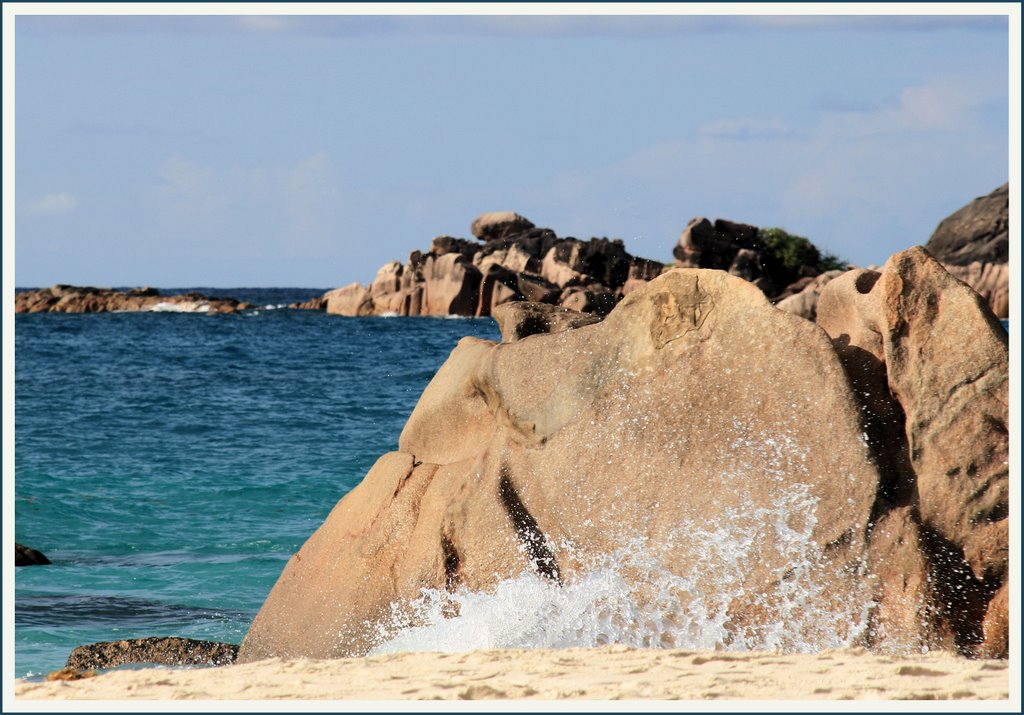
x,y
308,151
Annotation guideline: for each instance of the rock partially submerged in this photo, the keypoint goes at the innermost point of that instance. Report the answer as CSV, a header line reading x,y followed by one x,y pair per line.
x,y
27,556
155,651
82,299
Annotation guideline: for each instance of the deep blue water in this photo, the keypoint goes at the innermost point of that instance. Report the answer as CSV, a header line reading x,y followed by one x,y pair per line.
x,y
170,464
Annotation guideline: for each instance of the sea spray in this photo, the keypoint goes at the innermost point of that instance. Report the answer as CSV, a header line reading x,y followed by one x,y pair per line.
x,y
632,597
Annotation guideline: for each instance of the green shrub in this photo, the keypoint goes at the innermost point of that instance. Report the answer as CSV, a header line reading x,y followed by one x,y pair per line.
x,y
792,252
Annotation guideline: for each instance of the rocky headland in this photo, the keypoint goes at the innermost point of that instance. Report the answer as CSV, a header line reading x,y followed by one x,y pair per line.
x,y
974,245
794,484
511,260
83,299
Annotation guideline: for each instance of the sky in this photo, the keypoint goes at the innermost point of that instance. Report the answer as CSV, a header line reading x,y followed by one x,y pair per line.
x,y
281,150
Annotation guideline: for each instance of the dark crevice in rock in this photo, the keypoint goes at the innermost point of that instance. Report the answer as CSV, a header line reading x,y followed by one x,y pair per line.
x,y
960,599
883,421
452,563
527,529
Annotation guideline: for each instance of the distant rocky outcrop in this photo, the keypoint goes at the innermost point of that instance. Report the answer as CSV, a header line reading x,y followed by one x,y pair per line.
x,y
82,299
156,651
973,244
778,263
516,261
806,485
27,556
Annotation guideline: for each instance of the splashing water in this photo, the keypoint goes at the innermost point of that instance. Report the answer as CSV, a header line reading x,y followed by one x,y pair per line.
x,y
631,597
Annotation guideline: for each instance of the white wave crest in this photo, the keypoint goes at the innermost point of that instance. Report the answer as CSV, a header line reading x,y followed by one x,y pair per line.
x,y
630,597
182,307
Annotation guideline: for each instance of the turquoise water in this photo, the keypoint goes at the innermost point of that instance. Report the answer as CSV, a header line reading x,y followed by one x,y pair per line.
x,y
170,464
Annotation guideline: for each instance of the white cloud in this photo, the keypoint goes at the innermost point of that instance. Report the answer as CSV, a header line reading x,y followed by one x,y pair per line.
x,y
182,176
946,104
51,204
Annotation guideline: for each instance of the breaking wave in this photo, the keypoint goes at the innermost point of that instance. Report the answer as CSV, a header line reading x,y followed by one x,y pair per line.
x,y
631,597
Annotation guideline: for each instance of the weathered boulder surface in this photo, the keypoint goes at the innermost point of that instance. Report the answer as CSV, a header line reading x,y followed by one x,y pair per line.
x,y
974,245
351,300
158,651
82,299
520,320
516,262
930,362
27,556
694,419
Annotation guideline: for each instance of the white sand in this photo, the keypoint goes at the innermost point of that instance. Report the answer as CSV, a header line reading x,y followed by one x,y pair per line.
x,y
608,673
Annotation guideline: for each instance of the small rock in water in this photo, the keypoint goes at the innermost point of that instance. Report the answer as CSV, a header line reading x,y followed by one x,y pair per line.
x,y
27,556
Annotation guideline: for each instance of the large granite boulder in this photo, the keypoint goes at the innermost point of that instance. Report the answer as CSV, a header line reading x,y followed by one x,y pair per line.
x,y
452,285
696,428
706,245
771,259
351,300
925,353
974,245
499,224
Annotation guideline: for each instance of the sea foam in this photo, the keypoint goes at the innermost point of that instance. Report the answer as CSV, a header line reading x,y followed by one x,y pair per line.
x,y
630,597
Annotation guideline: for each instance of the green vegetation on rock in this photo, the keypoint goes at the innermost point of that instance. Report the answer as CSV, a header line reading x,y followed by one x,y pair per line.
x,y
792,251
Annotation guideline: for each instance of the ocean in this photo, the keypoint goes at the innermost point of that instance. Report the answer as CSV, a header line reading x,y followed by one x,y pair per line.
x,y
170,464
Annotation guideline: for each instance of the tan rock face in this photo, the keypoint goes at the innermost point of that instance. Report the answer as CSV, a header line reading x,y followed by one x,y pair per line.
x,y
523,319
653,427
351,301
499,224
516,262
452,285
917,342
990,280
805,303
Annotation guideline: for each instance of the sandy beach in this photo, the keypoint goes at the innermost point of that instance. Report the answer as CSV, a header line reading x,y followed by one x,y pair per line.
x,y
608,673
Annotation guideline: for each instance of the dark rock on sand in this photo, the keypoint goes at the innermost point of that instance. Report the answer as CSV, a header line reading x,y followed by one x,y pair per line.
x,y
159,651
